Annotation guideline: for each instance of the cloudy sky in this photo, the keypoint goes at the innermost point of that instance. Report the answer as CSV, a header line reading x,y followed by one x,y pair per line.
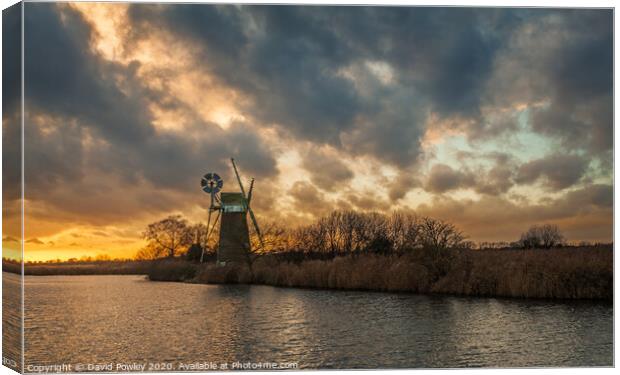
x,y
494,119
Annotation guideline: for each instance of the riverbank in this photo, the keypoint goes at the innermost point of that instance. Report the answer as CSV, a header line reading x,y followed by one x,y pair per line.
x,y
138,267
563,273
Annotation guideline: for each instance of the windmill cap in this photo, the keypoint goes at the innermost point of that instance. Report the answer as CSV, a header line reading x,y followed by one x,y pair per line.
x,y
232,198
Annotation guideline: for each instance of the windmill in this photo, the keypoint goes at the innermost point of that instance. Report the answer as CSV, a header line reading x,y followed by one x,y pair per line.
x,y
232,209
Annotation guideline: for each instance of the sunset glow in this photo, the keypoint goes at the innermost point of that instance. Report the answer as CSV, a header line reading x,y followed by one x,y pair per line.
x,y
132,103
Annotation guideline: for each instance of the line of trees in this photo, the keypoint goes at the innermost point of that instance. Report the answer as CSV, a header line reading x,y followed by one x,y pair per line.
x,y
339,233
343,232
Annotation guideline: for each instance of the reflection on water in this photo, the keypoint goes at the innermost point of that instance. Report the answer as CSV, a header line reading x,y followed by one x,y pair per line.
x,y
95,319
11,320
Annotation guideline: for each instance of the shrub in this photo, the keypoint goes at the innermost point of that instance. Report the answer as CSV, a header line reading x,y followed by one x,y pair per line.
x,y
171,270
194,253
541,237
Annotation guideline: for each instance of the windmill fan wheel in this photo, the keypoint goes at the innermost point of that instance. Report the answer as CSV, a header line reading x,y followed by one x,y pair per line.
x,y
211,183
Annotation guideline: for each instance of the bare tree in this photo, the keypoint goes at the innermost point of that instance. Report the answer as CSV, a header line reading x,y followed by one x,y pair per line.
x,y
150,252
328,225
346,223
169,235
310,238
404,231
550,236
543,236
276,238
343,232
439,235
200,235
372,234
350,232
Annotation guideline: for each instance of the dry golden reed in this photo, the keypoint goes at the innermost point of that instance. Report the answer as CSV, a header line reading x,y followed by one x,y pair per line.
x,y
571,273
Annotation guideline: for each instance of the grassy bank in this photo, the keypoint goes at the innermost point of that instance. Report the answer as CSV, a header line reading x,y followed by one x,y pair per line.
x,y
566,273
81,268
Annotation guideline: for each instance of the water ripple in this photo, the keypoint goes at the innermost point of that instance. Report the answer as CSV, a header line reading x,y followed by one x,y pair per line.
x,y
97,319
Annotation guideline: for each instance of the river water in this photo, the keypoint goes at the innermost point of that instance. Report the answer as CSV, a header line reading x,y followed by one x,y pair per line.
x,y
127,319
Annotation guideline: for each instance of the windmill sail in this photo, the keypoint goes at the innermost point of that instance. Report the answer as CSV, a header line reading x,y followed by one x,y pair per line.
x,y
247,204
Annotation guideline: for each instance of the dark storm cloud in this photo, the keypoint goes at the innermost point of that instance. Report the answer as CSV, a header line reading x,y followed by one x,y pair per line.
x,y
11,156
493,180
291,60
53,156
11,100
308,199
455,60
298,60
584,213
581,113
219,28
305,72
443,178
498,180
564,60
597,195
556,171
177,161
11,58
366,202
252,152
82,98
289,68
326,171
73,82
446,52
112,183
393,134
401,185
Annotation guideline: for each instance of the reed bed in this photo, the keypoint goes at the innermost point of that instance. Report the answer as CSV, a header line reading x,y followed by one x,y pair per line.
x,y
564,273
94,268
561,273
576,273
